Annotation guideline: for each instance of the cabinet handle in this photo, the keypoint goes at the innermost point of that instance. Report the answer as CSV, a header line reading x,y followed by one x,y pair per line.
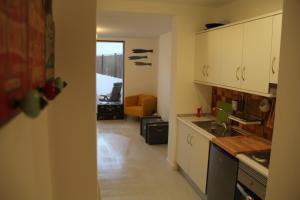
x,y
203,68
236,73
273,65
191,140
207,70
243,74
187,139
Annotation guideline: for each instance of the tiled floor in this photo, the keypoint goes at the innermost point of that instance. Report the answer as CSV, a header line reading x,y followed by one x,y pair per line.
x,y
129,169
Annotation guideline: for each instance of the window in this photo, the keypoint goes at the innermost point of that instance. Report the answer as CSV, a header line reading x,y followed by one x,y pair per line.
x,y
110,72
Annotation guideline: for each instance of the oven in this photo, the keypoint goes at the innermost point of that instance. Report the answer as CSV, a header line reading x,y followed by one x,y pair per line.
x,y
250,185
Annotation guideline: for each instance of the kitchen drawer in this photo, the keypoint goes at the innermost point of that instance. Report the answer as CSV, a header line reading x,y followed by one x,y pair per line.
x,y
252,184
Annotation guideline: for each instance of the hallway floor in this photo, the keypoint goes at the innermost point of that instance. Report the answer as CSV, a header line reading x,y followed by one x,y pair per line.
x,y
129,169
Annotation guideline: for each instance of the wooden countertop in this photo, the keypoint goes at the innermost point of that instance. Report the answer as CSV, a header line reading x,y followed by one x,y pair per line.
x,y
241,144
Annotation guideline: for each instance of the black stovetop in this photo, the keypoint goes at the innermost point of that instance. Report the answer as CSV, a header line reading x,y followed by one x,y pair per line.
x,y
261,157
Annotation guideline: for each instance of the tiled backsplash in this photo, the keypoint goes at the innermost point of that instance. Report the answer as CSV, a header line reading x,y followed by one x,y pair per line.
x,y
252,107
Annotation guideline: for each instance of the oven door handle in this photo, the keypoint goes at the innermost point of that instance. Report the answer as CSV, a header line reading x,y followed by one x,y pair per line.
x,y
243,192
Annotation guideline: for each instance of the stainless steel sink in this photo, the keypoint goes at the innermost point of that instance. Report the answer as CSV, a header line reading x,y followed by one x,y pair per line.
x,y
217,129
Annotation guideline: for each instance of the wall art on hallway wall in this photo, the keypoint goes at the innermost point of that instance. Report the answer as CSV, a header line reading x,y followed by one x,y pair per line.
x,y
26,57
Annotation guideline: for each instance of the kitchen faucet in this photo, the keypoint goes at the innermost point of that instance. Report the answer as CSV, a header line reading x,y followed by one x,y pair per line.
x,y
227,123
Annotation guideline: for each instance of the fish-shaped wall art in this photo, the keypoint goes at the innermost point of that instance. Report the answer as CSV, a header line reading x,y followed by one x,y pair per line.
x,y
137,57
142,50
143,63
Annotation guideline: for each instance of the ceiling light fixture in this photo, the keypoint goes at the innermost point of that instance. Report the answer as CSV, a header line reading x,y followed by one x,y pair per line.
x,y
103,30
98,29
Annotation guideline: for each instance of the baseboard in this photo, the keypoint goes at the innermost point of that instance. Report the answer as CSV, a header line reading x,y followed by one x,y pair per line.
x,y
99,194
173,165
192,184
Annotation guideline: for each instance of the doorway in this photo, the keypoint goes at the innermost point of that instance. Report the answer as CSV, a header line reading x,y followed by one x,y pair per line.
x,y
128,167
110,79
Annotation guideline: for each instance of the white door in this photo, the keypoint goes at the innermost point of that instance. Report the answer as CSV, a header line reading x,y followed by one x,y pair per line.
x,y
183,147
231,56
201,57
257,55
213,70
199,160
276,41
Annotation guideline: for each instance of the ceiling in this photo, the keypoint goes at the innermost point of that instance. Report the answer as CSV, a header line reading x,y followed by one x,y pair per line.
x,y
213,3
121,24
132,25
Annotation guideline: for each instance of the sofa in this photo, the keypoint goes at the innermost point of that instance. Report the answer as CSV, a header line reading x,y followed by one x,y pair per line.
x,y
140,105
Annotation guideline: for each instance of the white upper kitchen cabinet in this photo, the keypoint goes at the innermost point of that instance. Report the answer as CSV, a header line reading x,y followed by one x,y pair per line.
x,y
201,57
257,55
231,56
276,41
213,69
241,56
208,57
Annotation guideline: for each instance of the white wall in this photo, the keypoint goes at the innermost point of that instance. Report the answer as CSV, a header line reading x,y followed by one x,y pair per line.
x,y
24,159
66,129
139,79
186,96
164,75
284,176
72,116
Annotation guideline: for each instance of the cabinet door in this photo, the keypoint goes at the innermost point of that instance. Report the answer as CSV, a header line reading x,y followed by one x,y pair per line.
x,y
201,57
257,55
183,148
213,70
276,41
199,160
231,56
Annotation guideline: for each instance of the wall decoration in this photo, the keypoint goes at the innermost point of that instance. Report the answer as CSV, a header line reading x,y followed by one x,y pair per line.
x,y
141,57
50,40
36,43
60,84
143,63
14,75
33,103
26,56
137,57
142,50
52,87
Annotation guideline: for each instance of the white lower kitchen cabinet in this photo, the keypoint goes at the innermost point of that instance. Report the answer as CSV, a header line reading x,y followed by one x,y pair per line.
x,y
183,146
192,154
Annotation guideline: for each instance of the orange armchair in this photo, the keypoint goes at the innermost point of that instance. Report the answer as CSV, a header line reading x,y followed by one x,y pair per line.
x,y
140,105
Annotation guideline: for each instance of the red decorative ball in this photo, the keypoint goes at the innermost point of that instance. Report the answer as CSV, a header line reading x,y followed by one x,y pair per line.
x,y
50,91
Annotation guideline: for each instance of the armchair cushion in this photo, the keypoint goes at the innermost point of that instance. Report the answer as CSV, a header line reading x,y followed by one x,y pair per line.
x,y
131,100
134,110
140,105
141,98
